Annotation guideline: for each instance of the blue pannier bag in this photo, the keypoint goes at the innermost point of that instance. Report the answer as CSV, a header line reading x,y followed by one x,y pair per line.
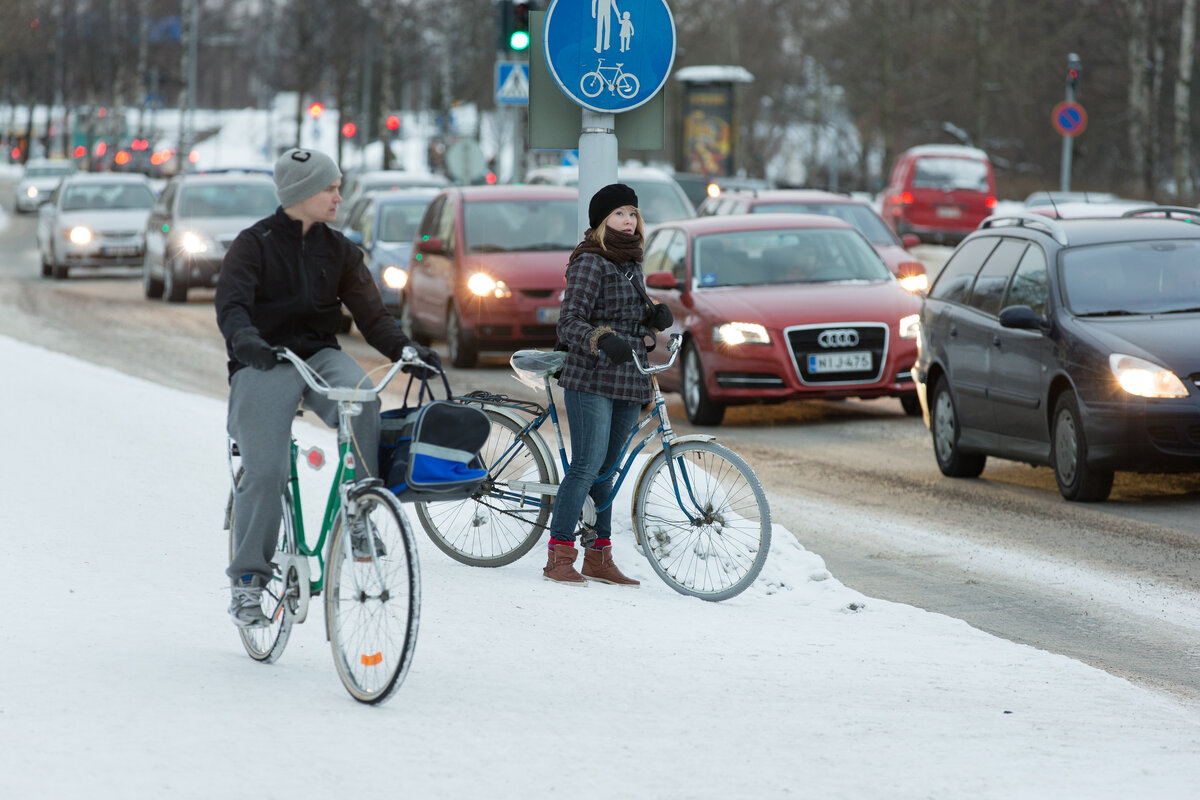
x,y
430,452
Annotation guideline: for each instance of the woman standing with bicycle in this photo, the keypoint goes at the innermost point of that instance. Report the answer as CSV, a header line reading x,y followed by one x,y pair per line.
x,y
604,319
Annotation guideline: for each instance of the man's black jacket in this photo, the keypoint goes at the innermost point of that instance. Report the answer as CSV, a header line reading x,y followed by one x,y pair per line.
x,y
291,289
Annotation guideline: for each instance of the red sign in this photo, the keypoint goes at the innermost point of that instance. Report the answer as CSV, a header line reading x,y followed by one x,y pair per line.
x,y
1069,118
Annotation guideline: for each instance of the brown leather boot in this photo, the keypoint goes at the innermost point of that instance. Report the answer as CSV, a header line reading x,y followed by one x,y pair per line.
x,y
598,566
560,566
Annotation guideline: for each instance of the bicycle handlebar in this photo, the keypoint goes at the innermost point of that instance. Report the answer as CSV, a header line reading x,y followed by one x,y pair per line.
x,y
676,339
408,358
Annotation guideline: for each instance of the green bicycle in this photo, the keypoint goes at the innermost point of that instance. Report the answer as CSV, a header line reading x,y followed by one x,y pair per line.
x,y
372,604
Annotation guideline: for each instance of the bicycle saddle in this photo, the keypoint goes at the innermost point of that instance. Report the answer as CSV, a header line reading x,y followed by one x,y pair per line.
x,y
538,363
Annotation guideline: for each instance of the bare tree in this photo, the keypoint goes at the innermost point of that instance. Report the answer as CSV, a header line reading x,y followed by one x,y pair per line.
x,y
1182,129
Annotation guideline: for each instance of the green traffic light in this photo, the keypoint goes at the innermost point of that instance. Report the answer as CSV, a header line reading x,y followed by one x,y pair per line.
x,y
519,40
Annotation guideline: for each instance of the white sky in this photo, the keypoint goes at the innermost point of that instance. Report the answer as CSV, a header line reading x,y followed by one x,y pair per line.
x,y
123,678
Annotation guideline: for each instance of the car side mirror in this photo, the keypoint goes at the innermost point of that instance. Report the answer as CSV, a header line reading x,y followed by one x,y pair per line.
x,y
910,240
661,280
431,244
1021,317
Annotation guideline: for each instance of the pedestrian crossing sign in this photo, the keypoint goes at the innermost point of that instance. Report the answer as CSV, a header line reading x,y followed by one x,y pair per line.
x,y
512,83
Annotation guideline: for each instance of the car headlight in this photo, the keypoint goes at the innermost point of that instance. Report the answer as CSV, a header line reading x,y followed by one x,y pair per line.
x,y
910,326
917,284
31,192
1145,378
193,244
394,277
79,235
484,285
740,333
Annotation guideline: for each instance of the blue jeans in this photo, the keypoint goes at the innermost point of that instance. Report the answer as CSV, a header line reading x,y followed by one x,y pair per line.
x,y
599,427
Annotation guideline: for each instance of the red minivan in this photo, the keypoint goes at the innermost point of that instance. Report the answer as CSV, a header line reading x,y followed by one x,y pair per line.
x,y
939,192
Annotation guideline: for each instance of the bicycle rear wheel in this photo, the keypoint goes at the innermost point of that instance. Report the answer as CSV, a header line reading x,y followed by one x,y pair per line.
x,y
373,605
496,526
706,530
281,595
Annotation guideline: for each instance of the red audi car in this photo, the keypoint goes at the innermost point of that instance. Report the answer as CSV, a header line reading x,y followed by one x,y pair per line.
x,y
778,307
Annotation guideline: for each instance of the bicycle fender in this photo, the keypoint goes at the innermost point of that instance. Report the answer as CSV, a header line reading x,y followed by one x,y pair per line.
x,y
538,442
637,485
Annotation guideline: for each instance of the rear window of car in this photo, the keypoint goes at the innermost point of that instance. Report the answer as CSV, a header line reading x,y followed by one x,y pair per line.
x,y
228,200
768,257
867,221
954,282
107,196
516,225
1153,277
931,172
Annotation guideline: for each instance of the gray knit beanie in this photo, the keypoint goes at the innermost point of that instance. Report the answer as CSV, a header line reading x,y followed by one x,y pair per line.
x,y
299,174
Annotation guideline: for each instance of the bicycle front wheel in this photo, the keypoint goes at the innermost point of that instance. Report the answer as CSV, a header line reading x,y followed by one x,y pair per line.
x,y
703,520
497,525
373,603
281,595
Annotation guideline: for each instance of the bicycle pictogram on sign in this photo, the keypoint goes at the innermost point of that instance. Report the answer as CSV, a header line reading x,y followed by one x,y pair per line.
x,y
621,82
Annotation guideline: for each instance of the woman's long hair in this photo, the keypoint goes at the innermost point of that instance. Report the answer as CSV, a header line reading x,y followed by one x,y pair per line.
x,y
597,233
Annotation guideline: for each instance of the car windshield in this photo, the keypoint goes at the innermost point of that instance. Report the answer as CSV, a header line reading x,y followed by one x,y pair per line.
x,y
48,172
950,173
763,258
867,221
1157,277
660,202
514,225
107,196
228,200
398,221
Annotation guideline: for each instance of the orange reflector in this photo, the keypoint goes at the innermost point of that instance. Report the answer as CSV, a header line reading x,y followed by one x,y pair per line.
x,y
370,661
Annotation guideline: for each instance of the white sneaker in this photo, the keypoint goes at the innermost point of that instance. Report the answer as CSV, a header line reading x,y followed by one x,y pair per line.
x,y
246,605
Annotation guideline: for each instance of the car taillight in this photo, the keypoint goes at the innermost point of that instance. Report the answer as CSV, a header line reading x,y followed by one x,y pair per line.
x,y
990,202
906,198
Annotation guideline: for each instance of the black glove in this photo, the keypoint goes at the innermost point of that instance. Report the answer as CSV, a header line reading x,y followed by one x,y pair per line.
x,y
660,317
250,348
429,356
616,348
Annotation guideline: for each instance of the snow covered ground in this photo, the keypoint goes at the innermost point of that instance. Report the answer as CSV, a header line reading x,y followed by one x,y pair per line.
x,y
123,678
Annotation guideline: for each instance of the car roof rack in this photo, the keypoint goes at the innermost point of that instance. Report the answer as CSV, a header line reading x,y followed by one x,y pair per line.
x,y
1027,220
1166,211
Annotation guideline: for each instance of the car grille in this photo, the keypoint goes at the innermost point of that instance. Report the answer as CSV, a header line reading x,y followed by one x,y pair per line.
x,y
537,294
871,337
117,234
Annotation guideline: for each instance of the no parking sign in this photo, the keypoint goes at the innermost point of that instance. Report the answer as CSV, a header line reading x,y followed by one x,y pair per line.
x,y
1069,118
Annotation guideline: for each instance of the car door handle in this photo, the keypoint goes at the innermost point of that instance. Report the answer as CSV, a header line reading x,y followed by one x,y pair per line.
x,y
953,331
996,340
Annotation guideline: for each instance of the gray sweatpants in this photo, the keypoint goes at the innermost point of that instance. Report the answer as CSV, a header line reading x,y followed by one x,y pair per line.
x,y
262,405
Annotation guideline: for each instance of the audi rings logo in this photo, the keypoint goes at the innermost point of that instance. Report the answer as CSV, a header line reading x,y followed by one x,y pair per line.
x,y
838,337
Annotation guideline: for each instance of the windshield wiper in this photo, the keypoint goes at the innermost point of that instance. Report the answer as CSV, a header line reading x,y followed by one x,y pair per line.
x,y
549,246
1191,310
488,248
1116,312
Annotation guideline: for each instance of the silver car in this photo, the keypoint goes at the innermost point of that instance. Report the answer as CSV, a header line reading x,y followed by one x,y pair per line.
x,y
194,221
38,181
94,220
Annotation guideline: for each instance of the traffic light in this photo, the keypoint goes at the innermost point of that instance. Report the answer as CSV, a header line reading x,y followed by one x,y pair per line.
x,y
392,123
349,129
518,40
315,110
1074,68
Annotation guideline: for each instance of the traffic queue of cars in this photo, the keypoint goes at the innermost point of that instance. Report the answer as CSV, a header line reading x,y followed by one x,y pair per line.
x,y
1059,335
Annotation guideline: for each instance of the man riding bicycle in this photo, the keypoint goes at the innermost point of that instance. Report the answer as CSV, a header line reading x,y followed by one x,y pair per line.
x,y
283,282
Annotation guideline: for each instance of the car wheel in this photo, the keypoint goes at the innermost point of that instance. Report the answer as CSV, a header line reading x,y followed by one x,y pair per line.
x,y
944,427
1076,480
152,287
911,404
464,350
175,287
58,271
700,410
47,270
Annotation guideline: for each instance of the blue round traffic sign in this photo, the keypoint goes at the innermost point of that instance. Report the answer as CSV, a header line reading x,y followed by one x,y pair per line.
x,y
609,56
1069,118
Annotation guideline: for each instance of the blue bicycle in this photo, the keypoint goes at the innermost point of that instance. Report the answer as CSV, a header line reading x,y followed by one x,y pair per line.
x,y
700,515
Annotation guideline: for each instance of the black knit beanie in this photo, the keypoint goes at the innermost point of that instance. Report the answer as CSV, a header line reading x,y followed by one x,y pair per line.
x,y
608,200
